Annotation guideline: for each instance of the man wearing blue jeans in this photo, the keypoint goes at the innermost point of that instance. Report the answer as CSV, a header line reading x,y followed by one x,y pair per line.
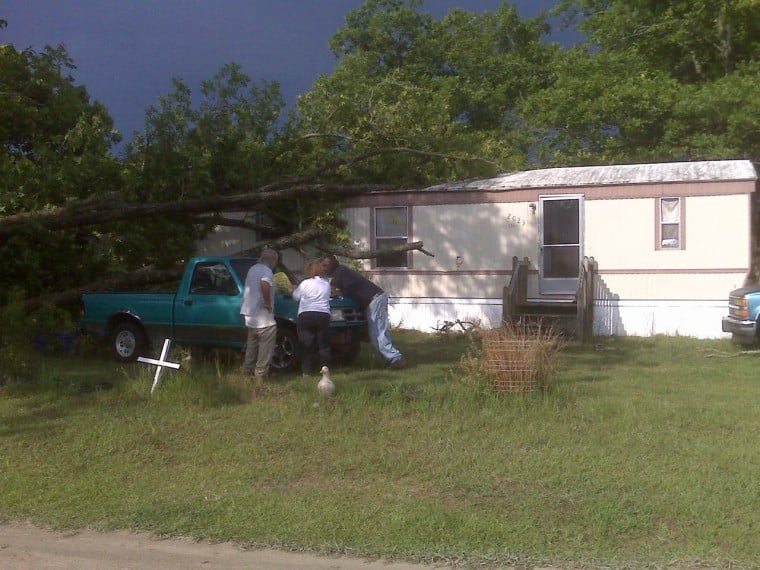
x,y
373,300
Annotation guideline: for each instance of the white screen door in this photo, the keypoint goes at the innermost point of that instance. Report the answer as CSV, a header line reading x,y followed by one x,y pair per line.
x,y
561,243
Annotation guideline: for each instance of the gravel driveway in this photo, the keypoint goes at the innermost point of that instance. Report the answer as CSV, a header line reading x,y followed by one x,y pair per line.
x,y
25,547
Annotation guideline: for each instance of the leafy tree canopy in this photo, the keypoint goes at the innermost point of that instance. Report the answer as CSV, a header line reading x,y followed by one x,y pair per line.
x,y
447,86
694,41
655,81
54,148
222,145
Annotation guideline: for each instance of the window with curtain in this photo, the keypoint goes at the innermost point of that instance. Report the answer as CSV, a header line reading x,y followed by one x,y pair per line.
x,y
391,228
670,223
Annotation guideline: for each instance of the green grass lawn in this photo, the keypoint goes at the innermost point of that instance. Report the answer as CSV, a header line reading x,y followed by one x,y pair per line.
x,y
645,452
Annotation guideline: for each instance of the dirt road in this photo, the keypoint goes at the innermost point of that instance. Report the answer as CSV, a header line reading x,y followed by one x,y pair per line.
x,y
28,548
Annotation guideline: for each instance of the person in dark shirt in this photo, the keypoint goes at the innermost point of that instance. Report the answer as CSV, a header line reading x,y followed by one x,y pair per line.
x,y
373,300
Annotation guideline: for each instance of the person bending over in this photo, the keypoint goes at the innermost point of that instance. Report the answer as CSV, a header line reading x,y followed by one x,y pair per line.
x,y
373,300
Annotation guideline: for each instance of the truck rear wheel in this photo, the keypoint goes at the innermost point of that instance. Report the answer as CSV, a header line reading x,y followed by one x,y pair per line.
x,y
128,341
287,353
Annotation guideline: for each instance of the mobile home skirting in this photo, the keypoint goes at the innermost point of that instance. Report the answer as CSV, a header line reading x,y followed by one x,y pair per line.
x,y
612,317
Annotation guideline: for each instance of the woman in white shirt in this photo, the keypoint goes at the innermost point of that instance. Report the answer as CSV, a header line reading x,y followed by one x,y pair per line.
x,y
313,324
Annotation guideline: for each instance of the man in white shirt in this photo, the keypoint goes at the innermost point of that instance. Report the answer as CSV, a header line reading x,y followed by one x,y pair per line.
x,y
258,310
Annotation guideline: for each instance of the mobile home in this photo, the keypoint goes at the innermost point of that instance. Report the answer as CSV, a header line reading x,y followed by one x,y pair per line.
x,y
668,241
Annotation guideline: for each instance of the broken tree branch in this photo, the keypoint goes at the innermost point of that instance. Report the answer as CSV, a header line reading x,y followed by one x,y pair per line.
x,y
219,220
720,354
293,240
373,253
347,161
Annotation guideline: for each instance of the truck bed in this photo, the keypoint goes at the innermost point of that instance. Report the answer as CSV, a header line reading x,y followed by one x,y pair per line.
x,y
155,308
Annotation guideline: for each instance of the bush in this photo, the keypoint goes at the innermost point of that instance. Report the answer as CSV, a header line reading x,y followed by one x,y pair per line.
x,y
24,332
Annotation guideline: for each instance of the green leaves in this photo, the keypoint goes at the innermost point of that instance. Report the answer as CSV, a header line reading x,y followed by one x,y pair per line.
x,y
216,147
720,119
54,147
693,40
656,81
218,142
446,86
607,107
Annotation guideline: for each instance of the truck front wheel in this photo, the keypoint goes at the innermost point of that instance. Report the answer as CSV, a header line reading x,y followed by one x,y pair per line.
x,y
128,341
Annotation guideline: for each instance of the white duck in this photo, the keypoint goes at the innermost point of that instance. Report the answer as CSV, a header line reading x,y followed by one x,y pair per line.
x,y
326,386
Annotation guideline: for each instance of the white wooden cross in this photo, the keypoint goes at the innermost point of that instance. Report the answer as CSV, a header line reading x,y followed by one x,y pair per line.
x,y
160,363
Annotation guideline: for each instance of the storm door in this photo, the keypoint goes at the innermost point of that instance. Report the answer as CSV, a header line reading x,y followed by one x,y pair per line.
x,y
561,243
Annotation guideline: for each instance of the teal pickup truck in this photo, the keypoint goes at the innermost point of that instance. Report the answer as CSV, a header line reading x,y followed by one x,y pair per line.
x,y
205,312
743,312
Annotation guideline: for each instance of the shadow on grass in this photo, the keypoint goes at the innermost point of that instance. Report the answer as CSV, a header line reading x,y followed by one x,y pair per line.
x,y
611,351
39,419
425,348
54,387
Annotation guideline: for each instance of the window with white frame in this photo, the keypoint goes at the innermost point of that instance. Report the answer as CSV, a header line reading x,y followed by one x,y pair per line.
x,y
670,223
391,229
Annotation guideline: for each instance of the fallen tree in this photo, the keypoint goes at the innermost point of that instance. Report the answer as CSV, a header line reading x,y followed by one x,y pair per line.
x,y
81,214
150,276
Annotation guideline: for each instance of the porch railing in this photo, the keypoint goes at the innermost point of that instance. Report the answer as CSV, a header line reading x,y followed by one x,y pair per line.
x,y
585,299
516,293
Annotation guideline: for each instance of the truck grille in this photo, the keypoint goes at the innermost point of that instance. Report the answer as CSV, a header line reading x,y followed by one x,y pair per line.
x,y
353,315
737,307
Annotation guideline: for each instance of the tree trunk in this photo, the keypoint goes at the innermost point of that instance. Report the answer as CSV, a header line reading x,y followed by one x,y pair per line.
x,y
88,213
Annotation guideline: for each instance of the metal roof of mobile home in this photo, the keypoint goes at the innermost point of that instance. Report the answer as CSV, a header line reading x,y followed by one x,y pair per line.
x,y
655,173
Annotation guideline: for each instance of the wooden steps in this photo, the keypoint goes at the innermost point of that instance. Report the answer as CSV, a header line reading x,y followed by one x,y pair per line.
x,y
561,313
573,314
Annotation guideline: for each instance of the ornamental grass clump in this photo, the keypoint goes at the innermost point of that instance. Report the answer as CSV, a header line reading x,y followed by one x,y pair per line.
x,y
520,359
